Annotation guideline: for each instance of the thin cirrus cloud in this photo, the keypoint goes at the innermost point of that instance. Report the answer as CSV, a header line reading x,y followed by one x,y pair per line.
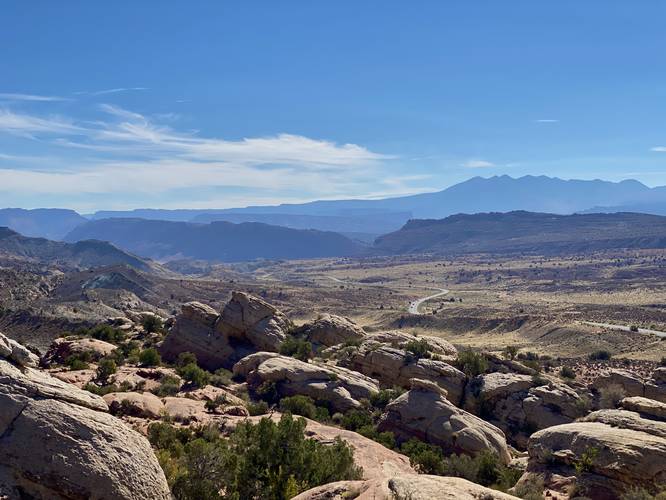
x,y
659,149
129,152
110,91
4,96
547,120
477,164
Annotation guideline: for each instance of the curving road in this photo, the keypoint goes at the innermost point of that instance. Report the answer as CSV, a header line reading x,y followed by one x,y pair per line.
x,y
414,306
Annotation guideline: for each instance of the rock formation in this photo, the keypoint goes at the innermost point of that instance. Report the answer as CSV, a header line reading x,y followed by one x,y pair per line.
x,y
424,413
58,441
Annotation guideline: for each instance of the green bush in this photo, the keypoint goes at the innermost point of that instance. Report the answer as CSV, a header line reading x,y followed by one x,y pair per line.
x,y
169,386
296,348
152,324
150,357
355,419
195,376
258,408
221,378
299,405
79,361
214,404
601,355
567,372
418,348
510,352
264,460
186,358
472,363
385,396
105,369
106,333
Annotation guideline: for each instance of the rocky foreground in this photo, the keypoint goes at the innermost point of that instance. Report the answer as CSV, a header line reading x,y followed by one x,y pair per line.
x,y
417,413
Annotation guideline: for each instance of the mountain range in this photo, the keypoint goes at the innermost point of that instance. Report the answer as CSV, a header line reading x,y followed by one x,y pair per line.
x,y
367,219
217,241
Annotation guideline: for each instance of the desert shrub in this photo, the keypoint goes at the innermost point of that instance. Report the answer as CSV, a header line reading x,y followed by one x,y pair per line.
x,y
106,333
268,391
169,386
567,372
214,404
221,378
386,439
296,348
186,358
79,361
299,405
355,419
586,461
418,348
600,355
486,468
152,324
533,364
194,375
263,460
528,356
611,395
382,398
105,369
150,357
258,408
472,363
510,352
539,380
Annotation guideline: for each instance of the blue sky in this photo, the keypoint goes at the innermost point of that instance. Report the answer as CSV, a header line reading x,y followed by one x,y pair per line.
x,y
218,104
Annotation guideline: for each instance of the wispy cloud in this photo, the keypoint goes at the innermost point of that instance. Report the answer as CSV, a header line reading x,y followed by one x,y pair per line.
x,y
134,153
4,96
547,120
477,164
110,91
659,149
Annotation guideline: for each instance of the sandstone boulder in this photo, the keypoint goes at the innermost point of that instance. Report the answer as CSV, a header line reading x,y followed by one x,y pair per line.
x,y
647,407
247,324
397,338
143,405
58,442
631,384
425,413
411,486
615,449
340,387
16,353
394,366
330,330
63,348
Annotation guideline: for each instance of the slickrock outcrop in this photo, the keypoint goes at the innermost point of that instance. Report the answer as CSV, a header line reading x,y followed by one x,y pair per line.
x,y
614,449
646,407
513,403
632,385
425,413
412,486
63,348
247,324
396,338
338,386
58,442
394,366
143,405
329,330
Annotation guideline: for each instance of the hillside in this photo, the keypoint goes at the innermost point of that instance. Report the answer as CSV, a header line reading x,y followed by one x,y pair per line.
x,y
82,254
218,241
526,232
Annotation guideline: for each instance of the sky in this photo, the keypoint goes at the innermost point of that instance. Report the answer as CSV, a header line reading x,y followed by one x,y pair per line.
x,y
217,104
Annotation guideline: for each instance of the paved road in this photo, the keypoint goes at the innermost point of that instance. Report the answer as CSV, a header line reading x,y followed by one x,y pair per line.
x,y
413,306
625,328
